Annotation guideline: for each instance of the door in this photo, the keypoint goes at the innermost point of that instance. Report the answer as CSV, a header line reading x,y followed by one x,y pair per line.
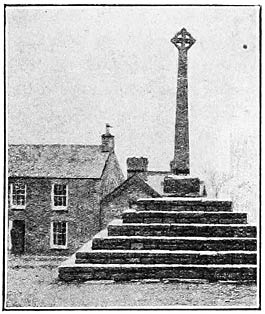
x,y
18,237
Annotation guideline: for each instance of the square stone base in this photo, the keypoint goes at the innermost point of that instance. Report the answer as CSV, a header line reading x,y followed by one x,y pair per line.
x,y
181,186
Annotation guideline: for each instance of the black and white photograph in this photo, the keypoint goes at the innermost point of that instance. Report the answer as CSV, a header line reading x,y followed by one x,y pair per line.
x,y
132,167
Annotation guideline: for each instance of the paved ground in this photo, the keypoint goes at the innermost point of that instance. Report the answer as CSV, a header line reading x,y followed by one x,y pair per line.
x,y
35,284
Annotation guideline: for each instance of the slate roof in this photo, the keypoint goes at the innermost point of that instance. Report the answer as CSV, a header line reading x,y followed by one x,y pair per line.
x,y
58,161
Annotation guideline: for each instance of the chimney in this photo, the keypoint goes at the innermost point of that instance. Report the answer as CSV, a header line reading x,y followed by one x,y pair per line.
x,y
137,165
107,140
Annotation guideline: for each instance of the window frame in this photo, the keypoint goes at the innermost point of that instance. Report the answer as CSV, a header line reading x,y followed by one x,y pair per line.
x,y
15,206
54,207
57,246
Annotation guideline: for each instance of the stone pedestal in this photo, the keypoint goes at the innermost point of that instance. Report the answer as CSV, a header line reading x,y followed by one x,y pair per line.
x,y
181,186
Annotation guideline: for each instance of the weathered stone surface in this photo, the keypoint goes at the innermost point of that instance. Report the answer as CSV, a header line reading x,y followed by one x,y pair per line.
x,y
165,257
181,187
183,204
129,271
182,230
172,243
184,217
137,165
180,164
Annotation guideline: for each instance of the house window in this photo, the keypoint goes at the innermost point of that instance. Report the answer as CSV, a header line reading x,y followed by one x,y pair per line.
x,y
18,195
59,235
59,196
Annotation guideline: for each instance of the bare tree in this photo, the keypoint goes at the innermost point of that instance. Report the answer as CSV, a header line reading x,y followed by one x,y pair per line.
x,y
216,180
236,179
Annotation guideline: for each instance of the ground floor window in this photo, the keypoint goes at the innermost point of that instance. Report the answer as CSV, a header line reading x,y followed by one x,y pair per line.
x,y
59,234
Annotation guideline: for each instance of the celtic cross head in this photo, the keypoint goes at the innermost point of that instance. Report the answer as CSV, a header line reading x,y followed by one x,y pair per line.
x,y
183,40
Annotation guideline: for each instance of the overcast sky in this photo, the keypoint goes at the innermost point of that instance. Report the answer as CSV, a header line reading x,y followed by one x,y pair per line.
x,y
71,70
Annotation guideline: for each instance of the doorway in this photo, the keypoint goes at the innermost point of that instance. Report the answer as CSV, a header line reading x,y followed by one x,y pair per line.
x,y
18,237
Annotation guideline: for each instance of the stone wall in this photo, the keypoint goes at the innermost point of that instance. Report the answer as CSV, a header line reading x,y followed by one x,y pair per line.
x,y
82,213
112,175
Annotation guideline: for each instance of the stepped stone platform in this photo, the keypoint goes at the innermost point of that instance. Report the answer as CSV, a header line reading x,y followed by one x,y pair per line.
x,y
176,237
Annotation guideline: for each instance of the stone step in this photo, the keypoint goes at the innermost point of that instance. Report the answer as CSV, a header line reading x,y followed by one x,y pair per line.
x,y
173,243
122,272
181,230
165,257
184,217
184,204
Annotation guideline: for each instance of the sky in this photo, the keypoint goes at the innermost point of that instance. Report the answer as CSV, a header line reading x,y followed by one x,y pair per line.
x,y
71,70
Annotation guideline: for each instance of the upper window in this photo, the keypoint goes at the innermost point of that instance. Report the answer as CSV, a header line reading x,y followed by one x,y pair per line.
x,y
59,196
18,195
59,234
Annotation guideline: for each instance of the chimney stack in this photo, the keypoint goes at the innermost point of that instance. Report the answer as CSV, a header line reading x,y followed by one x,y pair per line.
x,y
107,140
137,166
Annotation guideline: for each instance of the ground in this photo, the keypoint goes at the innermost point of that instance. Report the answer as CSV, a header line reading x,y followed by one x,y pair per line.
x,y
34,283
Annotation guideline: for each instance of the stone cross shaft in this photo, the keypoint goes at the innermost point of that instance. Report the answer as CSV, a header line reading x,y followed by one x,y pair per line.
x,y
180,164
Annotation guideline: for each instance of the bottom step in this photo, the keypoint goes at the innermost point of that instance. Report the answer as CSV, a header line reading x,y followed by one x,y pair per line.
x,y
126,272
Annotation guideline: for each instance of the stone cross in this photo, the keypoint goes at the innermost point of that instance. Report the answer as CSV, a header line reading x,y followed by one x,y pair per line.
x,y
180,164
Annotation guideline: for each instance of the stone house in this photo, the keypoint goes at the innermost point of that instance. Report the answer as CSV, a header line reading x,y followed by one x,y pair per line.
x,y
55,193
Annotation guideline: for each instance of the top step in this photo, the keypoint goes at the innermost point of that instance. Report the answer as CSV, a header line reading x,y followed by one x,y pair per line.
x,y
183,204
